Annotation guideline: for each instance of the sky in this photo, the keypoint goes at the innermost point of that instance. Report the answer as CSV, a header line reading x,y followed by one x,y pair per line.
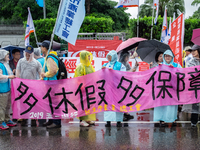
x,y
189,10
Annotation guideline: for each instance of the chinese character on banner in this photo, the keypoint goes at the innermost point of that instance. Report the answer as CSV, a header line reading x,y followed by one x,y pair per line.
x,y
143,66
70,65
177,38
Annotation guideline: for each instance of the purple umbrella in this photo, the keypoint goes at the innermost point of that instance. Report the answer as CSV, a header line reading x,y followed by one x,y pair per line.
x,y
196,36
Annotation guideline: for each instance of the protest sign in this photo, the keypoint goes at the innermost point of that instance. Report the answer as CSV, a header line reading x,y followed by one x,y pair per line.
x,y
105,90
98,48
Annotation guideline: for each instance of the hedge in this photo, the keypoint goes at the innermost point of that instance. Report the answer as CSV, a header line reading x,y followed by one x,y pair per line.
x,y
44,27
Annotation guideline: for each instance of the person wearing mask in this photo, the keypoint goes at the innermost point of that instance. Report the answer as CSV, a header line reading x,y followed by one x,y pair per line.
x,y
194,109
115,65
50,72
13,62
5,96
82,69
167,113
28,68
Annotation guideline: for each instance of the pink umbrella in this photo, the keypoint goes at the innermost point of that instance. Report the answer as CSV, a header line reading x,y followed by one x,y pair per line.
x,y
129,44
196,36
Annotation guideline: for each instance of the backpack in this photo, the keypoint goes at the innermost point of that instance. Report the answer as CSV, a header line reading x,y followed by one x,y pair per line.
x,y
62,72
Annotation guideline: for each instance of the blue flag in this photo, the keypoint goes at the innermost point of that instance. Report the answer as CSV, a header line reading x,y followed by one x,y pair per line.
x,y
69,21
40,3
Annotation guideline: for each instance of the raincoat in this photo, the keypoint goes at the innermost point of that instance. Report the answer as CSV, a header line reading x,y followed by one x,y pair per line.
x,y
5,96
28,69
82,69
125,63
192,108
111,115
5,71
167,113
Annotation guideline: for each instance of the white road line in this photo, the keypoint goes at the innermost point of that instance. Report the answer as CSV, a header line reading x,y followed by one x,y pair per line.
x,y
145,122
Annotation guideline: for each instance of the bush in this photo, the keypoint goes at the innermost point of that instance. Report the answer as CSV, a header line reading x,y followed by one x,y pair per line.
x,y
44,27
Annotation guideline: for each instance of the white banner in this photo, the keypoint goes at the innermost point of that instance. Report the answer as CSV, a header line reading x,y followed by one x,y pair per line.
x,y
72,62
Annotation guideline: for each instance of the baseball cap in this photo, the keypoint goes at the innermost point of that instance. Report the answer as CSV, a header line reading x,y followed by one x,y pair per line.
x,y
46,44
29,49
187,48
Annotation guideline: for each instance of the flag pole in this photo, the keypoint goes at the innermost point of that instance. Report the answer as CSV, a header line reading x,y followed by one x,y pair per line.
x,y
44,9
152,22
138,20
34,28
52,36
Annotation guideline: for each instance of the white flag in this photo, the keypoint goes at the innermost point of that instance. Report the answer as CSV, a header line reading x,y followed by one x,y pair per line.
x,y
29,28
157,9
169,31
164,28
70,20
174,17
155,2
127,3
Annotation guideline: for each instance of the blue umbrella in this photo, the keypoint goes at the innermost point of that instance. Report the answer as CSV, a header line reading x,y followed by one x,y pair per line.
x,y
10,49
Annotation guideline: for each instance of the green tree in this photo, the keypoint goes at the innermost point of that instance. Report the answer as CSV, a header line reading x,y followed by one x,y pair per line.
x,y
103,8
173,6
195,2
196,14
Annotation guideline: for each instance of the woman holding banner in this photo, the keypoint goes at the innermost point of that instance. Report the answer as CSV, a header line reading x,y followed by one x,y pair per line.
x,y
158,60
124,59
5,96
82,69
194,109
115,65
167,113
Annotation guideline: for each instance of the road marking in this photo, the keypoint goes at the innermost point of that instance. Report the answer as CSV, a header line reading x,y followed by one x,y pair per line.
x,y
145,122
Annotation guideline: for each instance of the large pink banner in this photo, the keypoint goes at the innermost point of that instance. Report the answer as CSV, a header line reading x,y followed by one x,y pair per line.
x,y
105,90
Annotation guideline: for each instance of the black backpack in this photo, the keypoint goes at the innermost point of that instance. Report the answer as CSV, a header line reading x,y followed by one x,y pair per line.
x,y
62,72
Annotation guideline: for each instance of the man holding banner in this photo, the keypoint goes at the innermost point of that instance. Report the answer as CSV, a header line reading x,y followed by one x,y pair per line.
x,y
50,73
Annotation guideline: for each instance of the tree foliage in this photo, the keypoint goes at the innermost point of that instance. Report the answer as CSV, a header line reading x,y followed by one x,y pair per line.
x,y
145,28
16,11
106,8
173,6
44,27
195,2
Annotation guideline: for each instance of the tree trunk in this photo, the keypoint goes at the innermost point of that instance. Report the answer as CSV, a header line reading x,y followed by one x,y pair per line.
x,y
87,3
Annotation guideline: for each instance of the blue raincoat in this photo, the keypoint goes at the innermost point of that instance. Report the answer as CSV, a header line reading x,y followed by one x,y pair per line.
x,y
111,115
167,113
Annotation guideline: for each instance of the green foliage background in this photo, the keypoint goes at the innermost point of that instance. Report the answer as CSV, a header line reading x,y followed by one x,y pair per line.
x,y
44,27
145,28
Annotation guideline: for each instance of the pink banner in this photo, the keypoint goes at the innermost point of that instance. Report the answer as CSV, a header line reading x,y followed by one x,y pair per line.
x,y
105,90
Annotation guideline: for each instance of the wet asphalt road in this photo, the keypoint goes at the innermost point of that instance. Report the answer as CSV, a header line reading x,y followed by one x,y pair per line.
x,y
137,134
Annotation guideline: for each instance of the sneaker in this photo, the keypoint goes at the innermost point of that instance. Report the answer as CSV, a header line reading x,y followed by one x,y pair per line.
x,y
11,123
3,126
53,125
193,125
119,124
47,123
127,117
91,122
84,124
